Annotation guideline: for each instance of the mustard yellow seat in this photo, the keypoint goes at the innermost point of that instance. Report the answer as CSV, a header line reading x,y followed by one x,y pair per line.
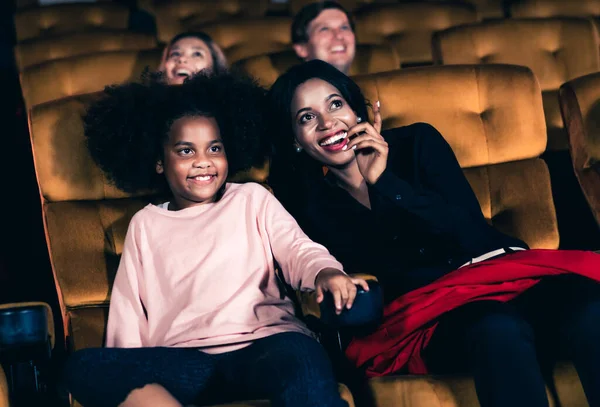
x,y
556,49
3,389
492,116
36,22
350,5
85,220
554,8
84,74
37,50
251,37
369,59
174,17
580,106
408,27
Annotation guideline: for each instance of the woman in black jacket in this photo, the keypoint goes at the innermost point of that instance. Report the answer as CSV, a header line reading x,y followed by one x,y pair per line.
x,y
396,204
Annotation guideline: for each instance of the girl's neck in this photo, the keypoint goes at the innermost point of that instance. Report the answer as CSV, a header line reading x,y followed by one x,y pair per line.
x,y
350,179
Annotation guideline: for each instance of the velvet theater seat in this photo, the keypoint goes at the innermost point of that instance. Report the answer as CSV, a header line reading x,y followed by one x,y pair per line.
x,y
369,59
84,74
408,27
36,51
580,106
492,116
36,22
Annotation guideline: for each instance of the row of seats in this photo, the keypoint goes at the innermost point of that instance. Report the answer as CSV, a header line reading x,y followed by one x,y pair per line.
x,y
173,17
492,116
556,49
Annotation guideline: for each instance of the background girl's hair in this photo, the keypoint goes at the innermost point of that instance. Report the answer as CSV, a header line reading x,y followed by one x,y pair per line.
x,y
220,64
127,128
293,174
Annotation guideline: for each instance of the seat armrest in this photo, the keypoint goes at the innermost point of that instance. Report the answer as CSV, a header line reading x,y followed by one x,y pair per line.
x,y
26,331
367,309
368,306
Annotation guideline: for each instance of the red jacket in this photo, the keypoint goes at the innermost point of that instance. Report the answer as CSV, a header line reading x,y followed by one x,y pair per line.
x,y
411,319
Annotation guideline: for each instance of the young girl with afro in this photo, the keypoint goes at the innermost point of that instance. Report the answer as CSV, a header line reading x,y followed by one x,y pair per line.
x,y
197,311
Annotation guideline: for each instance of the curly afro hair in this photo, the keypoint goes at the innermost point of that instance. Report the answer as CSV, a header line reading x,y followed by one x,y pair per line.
x,y
127,128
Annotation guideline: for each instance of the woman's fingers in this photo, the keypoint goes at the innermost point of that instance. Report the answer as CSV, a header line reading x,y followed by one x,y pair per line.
x,y
364,141
377,117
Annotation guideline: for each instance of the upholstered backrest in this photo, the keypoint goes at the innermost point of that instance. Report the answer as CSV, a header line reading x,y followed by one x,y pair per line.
x,y
555,8
489,9
492,116
38,50
556,49
84,74
174,17
408,27
38,22
350,5
251,37
369,59
580,106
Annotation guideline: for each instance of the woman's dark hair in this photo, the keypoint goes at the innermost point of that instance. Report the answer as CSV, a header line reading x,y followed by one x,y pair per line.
x,y
292,173
219,61
127,128
308,13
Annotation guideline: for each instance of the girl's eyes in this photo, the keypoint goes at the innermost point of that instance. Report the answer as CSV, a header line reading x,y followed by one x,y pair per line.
x,y
306,117
185,151
197,54
174,54
215,149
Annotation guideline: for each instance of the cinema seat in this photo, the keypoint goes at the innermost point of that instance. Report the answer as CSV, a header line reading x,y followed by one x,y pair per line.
x,y
370,59
493,118
555,8
580,106
556,49
174,17
37,22
85,220
84,74
3,389
408,27
39,50
248,38
350,5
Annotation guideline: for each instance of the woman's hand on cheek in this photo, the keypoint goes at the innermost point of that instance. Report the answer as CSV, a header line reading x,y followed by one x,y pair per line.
x,y
341,287
370,147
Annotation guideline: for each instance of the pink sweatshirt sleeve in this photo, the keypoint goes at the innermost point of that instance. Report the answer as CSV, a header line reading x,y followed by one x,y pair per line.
x,y
300,258
127,323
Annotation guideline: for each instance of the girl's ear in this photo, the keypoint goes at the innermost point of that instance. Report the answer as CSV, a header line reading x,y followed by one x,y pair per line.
x,y
159,167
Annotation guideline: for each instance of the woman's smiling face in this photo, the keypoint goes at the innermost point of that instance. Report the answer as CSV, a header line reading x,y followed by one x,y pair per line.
x,y
321,118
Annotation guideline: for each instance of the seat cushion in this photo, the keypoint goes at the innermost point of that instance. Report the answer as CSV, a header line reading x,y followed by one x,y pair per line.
x,y
457,391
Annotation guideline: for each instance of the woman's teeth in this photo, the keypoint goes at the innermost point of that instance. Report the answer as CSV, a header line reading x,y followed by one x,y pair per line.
x,y
203,178
334,139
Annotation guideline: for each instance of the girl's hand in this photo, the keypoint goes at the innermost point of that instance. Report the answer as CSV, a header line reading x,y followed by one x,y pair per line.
x,y
371,148
342,287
